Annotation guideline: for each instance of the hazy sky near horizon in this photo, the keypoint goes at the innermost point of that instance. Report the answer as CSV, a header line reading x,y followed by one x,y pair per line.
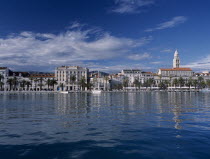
x,y
107,35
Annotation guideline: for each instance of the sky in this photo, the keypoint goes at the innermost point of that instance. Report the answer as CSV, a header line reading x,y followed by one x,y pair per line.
x,y
105,35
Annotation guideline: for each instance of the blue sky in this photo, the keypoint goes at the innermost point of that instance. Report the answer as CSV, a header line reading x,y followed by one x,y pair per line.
x,y
108,35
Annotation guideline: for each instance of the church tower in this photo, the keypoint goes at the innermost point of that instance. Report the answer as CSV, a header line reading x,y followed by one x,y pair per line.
x,y
176,60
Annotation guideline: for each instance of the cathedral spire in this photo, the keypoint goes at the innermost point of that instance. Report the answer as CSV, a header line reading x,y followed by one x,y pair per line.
x,y
176,60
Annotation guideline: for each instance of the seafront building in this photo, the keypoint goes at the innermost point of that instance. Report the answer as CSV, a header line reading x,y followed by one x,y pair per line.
x,y
71,78
176,71
76,78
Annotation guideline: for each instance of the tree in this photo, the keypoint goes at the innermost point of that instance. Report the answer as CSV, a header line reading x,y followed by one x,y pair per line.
x,y
1,85
146,84
106,78
15,82
48,82
10,82
175,82
73,79
166,83
40,83
1,81
22,84
201,82
35,83
82,83
31,79
125,82
170,79
195,83
189,83
53,82
151,82
181,82
208,83
28,83
136,82
162,86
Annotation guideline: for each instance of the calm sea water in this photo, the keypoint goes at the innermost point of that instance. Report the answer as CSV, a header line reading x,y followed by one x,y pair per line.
x,y
111,125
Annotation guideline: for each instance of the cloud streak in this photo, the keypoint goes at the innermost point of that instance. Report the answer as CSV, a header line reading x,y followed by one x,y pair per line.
x,y
72,47
139,56
131,6
169,24
201,64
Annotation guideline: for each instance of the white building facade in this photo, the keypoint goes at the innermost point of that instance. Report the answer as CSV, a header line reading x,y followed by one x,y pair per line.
x,y
69,77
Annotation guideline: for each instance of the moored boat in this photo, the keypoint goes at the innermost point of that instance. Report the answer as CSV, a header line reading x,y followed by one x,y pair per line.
x,y
64,92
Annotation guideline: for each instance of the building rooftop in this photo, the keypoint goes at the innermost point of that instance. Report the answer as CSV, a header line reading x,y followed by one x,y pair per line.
x,y
176,69
3,68
49,75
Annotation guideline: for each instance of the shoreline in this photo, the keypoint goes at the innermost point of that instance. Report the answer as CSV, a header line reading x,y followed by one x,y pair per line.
x,y
115,91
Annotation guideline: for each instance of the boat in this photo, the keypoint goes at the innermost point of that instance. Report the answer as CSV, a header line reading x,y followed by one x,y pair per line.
x,y
96,91
64,92
205,90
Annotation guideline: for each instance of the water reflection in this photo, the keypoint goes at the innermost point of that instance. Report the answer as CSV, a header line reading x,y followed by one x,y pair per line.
x,y
107,120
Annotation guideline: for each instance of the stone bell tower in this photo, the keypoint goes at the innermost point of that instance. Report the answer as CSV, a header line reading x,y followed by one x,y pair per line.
x,y
176,60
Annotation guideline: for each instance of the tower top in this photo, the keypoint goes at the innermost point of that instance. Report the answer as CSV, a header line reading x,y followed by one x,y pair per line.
x,y
176,53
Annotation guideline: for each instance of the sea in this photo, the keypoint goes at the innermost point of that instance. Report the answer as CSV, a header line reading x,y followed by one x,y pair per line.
x,y
112,125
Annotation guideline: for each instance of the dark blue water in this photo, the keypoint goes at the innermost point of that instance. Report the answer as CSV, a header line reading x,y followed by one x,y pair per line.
x,y
148,125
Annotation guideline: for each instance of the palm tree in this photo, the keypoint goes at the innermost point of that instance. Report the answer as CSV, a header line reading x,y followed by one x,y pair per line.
x,y
15,82
106,78
31,79
10,82
150,82
1,81
208,83
53,83
195,83
22,84
1,77
181,82
40,83
1,85
125,82
175,82
166,83
189,82
28,83
162,85
136,83
200,82
82,83
170,78
73,79
35,83
48,83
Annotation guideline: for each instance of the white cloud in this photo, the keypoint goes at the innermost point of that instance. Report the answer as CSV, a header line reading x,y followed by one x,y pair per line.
x,y
169,24
156,62
167,50
131,6
201,64
72,47
139,56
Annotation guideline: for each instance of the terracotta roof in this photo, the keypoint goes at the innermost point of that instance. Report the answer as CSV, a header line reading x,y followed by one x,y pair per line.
x,y
43,75
148,72
176,69
3,68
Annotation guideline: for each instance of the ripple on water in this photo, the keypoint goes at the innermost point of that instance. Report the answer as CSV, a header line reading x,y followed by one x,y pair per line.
x,y
111,125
